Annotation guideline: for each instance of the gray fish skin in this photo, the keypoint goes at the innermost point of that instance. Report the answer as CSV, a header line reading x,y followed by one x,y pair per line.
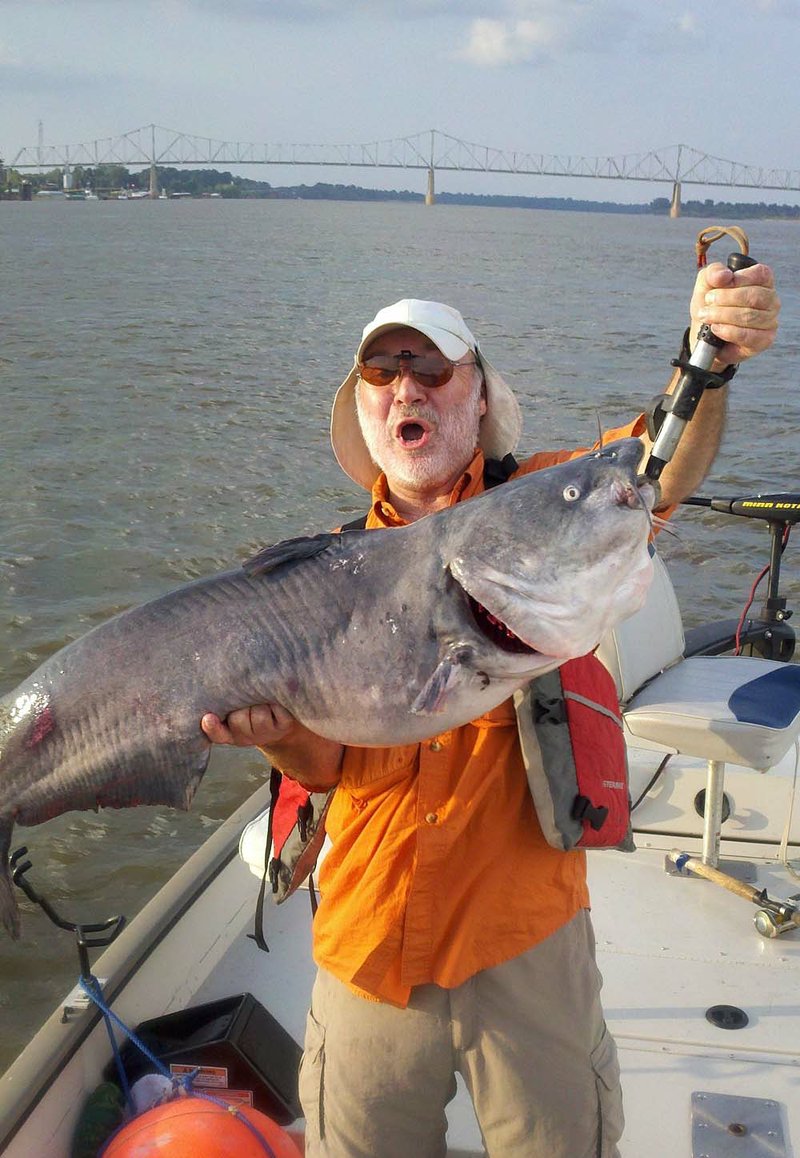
x,y
366,637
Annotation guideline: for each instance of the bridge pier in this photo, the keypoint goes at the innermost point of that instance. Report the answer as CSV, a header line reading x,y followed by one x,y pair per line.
x,y
430,196
153,182
675,204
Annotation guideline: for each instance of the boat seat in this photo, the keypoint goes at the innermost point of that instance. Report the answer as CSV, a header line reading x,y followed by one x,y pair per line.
x,y
737,709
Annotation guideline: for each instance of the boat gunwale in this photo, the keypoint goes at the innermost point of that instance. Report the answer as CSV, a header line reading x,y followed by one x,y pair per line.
x,y
57,1042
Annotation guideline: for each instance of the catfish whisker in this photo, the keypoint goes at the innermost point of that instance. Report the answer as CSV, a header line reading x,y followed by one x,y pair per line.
x,y
659,524
655,522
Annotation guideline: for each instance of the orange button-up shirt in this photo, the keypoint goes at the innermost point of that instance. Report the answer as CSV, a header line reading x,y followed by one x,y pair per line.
x,y
438,866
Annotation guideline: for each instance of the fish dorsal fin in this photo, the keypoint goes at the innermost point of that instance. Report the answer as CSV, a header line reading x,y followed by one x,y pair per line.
x,y
289,551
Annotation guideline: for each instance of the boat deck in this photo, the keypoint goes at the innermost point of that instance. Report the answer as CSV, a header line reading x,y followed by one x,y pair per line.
x,y
669,947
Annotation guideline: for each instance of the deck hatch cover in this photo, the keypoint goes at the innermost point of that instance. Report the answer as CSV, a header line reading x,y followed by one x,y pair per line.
x,y
729,1126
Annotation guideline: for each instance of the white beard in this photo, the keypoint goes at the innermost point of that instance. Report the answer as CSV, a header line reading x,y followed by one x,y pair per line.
x,y
454,437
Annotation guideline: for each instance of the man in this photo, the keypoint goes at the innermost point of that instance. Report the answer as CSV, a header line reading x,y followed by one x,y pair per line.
x,y
450,936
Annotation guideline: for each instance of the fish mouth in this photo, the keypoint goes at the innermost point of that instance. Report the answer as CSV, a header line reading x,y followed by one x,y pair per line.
x,y
496,631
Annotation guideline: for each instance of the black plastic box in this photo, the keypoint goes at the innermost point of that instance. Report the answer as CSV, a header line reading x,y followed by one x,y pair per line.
x,y
235,1032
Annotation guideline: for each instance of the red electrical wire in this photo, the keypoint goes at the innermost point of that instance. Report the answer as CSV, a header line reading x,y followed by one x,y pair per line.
x,y
753,589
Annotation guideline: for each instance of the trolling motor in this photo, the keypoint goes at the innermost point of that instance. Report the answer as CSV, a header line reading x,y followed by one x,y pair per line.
x,y
770,634
671,412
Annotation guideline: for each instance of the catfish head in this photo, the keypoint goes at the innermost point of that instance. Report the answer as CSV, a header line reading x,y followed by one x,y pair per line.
x,y
562,560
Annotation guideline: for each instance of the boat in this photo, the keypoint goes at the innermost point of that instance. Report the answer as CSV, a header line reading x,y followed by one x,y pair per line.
x,y
698,930
86,194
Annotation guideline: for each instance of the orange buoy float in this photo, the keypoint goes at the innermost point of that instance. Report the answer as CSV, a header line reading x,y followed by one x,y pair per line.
x,y
189,1127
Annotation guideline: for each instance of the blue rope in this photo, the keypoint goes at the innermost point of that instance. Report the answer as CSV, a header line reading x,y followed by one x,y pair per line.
x,y
254,1130
91,988
110,1015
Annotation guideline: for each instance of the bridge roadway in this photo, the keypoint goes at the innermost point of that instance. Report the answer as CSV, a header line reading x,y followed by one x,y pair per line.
x,y
431,150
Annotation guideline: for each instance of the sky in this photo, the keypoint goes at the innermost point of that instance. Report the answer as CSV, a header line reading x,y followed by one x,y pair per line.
x,y
568,77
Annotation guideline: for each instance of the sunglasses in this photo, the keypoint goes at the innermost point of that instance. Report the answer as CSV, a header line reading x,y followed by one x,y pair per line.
x,y
429,369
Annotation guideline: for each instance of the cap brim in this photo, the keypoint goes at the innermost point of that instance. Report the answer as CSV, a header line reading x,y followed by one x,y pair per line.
x,y
450,345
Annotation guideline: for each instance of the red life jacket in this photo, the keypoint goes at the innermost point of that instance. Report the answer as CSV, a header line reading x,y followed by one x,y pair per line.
x,y
573,746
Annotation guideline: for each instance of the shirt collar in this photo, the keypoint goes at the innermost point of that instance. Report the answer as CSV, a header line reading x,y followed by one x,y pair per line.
x,y
383,514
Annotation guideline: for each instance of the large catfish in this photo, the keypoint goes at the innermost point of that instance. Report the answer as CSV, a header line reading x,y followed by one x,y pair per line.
x,y
369,638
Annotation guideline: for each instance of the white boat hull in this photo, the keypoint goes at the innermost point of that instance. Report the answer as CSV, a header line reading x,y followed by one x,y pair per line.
x,y
669,948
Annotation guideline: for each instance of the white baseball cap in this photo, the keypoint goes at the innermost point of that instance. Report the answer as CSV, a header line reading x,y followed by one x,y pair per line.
x,y
500,426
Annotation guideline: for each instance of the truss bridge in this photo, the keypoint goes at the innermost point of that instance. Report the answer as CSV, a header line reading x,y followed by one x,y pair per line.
x,y
430,151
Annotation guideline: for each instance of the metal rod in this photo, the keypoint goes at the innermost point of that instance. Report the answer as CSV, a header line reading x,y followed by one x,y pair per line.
x,y
776,531
712,814
681,404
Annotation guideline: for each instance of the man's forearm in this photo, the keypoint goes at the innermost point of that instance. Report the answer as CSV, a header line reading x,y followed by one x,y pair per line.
x,y
315,763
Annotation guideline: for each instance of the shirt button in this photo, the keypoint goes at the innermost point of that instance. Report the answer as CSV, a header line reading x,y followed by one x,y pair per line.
x,y
436,746
431,818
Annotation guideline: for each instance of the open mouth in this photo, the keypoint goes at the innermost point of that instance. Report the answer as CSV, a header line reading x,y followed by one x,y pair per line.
x,y
412,431
495,630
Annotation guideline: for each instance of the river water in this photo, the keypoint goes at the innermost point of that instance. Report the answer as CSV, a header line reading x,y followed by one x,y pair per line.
x,y
166,371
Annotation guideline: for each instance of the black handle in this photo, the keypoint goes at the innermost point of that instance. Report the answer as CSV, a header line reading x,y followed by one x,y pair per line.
x,y
738,261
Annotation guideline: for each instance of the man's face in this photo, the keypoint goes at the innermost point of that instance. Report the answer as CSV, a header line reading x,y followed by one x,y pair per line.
x,y
421,437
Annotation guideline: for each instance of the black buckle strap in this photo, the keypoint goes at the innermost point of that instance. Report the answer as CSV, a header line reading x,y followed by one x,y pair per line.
x,y
706,378
594,815
271,867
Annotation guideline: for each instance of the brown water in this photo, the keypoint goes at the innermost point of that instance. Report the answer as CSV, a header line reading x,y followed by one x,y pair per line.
x,y
166,371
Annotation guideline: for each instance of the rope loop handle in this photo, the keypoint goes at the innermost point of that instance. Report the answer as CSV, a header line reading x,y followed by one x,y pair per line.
x,y
706,237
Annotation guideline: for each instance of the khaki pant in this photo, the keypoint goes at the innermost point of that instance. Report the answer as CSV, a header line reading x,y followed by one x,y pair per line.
x,y
528,1037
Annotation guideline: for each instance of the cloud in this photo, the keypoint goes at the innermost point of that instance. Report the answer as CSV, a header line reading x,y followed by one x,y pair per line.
x,y
524,32
307,11
537,30
491,43
789,8
687,22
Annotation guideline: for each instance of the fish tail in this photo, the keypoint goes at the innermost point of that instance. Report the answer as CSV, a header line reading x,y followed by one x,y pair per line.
x,y
9,911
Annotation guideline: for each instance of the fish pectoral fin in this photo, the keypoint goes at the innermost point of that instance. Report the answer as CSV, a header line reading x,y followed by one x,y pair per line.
x,y
450,674
289,551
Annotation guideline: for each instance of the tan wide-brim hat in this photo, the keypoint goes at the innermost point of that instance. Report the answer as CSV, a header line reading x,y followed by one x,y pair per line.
x,y
501,425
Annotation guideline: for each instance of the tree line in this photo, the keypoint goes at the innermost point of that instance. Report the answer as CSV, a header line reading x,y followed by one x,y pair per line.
x,y
112,180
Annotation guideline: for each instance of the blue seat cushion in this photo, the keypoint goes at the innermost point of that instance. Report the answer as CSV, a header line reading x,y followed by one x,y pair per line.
x,y
772,700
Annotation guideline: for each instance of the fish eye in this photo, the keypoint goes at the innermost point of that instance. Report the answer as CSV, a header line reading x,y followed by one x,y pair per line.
x,y
571,493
